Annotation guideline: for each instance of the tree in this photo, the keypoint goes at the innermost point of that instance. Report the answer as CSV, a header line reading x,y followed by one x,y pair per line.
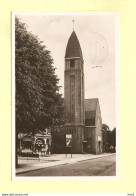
x,y
107,137
114,137
38,102
105,127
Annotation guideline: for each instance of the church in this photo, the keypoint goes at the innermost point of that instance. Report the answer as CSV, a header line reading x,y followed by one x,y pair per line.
x,y
83,116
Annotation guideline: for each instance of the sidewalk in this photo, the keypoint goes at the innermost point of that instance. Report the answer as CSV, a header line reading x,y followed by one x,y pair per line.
x,y
29,164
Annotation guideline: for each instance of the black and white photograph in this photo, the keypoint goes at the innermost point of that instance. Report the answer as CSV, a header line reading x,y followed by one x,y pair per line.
x,y
64,94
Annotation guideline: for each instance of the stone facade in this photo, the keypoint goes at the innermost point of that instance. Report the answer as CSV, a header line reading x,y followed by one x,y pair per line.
x,y
83,117
93,126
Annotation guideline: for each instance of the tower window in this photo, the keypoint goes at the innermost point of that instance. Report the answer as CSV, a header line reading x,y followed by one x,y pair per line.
x,y
72,63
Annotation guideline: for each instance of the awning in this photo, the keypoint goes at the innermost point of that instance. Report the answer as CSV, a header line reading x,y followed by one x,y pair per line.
x,y
27,139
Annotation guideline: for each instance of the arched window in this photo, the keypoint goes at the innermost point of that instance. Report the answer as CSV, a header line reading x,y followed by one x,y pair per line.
x,y
72,63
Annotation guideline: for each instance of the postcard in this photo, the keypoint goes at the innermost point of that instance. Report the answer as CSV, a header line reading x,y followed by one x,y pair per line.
x,y
67,97
64,76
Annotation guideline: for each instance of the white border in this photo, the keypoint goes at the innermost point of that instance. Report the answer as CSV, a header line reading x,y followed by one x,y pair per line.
x,y
73,194
13,98
66,178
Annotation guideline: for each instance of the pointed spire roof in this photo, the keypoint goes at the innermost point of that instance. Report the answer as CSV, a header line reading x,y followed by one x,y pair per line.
x,y
73,47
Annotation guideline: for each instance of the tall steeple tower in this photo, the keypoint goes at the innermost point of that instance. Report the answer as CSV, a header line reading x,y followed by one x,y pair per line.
x,y
74,92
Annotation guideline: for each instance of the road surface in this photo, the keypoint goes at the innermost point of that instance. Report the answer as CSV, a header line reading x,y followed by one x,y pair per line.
x,y
105,166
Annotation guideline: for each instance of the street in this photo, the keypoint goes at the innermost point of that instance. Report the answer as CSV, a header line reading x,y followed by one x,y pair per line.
x,y
104,166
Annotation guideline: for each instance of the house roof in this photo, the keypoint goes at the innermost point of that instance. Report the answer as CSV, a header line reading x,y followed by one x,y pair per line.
x,y
73,47
90,114
91,104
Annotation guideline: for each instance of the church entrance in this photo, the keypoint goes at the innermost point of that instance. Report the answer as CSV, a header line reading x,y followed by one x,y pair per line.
x,y
87,147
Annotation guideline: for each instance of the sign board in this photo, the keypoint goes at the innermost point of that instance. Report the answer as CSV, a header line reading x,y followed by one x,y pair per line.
x,y
68,142
69,136
99,138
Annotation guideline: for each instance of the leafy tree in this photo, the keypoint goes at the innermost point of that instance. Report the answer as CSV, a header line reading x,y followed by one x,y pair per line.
x,y
38,102
114,137
107,137
105,127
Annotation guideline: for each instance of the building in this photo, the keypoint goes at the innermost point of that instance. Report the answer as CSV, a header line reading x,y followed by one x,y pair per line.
x,y
39,143
83,116
93,127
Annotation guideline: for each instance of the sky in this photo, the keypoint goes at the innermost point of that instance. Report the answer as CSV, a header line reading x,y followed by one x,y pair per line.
x,y
96,34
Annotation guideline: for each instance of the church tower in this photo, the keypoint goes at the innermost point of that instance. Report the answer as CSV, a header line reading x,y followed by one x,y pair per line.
x,y
74,93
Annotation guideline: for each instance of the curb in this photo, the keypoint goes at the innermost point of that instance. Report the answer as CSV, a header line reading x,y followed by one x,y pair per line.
x,y
35,169
38,169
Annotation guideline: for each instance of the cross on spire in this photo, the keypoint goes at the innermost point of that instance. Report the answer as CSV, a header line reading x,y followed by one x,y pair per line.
x,y
73,24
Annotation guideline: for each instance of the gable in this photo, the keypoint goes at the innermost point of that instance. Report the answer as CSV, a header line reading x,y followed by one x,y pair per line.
x,y
92,109
91,104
